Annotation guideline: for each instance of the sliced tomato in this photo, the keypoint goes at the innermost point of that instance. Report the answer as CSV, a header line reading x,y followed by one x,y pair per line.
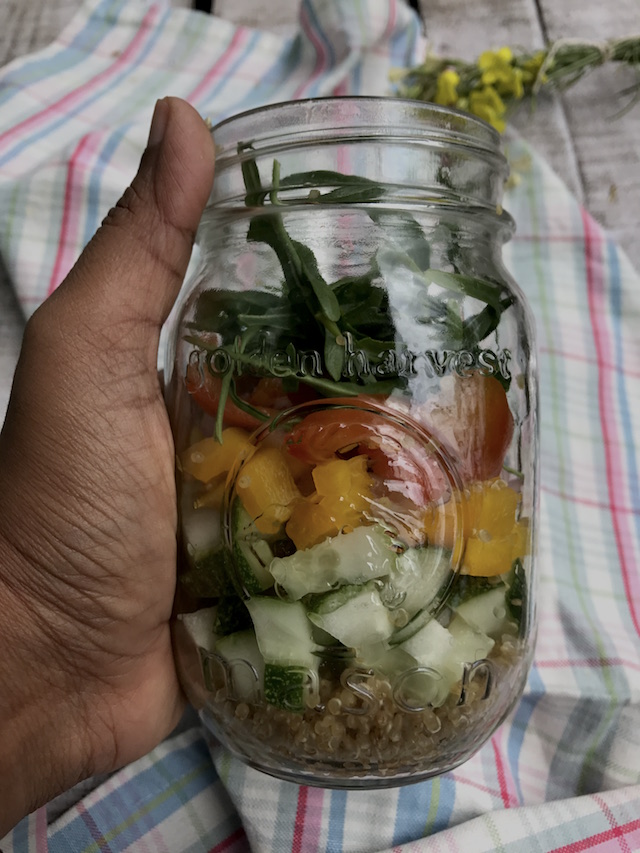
x,y
265,394
205,389
269,393
472,418
403,462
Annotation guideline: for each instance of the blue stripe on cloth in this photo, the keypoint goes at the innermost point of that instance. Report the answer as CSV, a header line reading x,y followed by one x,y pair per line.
x,y
573,834
337,812
94,213
119,818
280,73
633,475
446,803
20,836
413,806
83,44
519,724
403,44
153,36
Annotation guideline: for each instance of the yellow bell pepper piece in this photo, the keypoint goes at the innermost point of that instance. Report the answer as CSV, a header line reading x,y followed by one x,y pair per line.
x,y
490,506
343,492
344,486
209,458
212,495
495,556
266,487
309,524
491,535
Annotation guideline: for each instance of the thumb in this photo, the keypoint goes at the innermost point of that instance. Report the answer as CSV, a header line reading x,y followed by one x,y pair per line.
x,y
130,273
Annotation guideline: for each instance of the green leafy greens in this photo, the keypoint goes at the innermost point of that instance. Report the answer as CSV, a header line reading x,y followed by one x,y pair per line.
x,y
341,319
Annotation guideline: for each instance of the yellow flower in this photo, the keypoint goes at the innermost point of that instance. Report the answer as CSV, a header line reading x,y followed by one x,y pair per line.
x,y
531,68
486,103
447,87
499,71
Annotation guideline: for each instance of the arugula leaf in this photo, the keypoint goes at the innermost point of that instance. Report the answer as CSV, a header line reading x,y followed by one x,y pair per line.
x,y
327,300
476,288
351,320
255,194
517,595
406,233
333,356
480,326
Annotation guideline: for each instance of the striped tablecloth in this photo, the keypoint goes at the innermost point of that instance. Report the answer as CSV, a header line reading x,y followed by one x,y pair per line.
x,y
564,772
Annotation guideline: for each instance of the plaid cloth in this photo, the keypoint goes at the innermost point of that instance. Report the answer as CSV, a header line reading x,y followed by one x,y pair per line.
x,y
563,773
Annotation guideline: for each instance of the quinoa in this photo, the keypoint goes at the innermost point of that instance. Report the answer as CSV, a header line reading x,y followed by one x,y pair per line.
x,y
337,739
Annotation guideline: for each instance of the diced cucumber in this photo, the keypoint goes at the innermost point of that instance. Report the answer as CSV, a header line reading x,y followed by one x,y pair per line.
x,y
348,558
285,640
487,613
283,630
517,597
288,687
201,627
252,559
445,651
231,615
208,574
394,662
243,525
418,579
469,645
207,556
245,664
201,530
252,553
414,685
432,648
465,587
354,615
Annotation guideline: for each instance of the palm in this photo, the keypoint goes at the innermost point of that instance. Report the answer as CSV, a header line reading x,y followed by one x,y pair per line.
x,y
87,493
101,465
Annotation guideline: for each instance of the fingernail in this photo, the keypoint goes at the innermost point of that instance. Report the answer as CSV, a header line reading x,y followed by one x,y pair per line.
x,y
158,123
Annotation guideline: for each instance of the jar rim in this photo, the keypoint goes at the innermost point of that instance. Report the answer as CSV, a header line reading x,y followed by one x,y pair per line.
x,y
271,124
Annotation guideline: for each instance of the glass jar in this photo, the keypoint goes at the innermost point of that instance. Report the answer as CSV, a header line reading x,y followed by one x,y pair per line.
x,y
352,389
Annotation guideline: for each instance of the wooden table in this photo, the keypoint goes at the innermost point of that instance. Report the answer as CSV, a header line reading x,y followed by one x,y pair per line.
x,y
597,155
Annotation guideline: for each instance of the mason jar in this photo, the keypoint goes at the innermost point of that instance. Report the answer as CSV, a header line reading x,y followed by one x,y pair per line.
x,y
351,382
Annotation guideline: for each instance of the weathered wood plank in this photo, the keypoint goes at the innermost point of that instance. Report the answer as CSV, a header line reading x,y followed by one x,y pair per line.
x,y
607,147
458,28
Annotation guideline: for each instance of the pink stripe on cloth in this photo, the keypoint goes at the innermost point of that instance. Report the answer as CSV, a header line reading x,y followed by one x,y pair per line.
x,y
41,844
391,22
615,468
508,798
322,57
609,841
228,844
73,97
239,39
298,826
312,820
71,210
606,811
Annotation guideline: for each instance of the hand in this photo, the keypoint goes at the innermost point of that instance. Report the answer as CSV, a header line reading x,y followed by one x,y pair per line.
x,y
87,494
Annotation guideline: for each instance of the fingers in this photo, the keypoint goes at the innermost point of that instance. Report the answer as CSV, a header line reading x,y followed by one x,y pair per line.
x,y
129,275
